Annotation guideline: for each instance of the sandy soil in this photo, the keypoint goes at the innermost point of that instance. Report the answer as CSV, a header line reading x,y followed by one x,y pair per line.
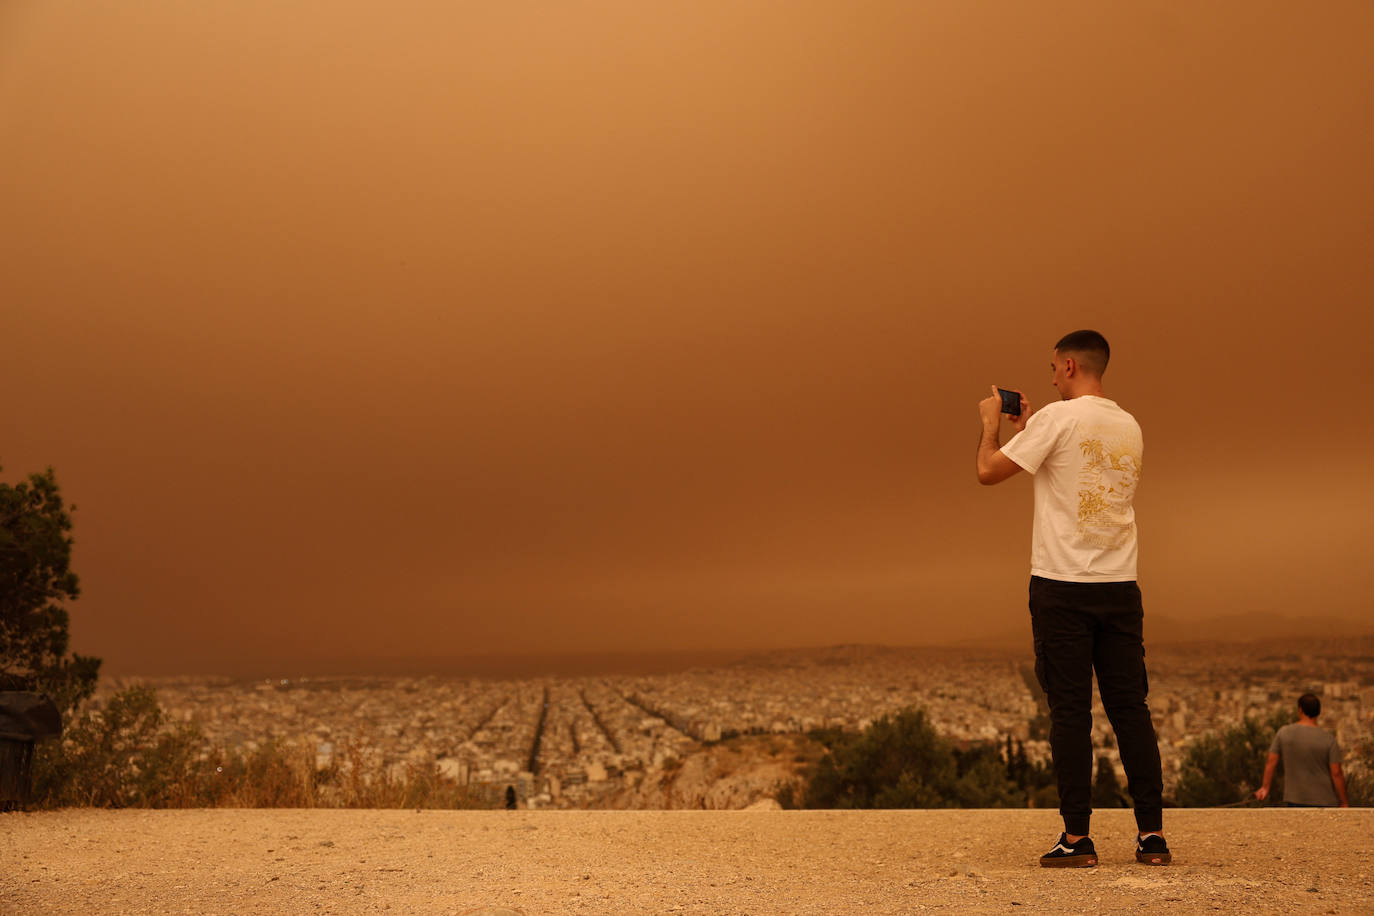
x,y
760,862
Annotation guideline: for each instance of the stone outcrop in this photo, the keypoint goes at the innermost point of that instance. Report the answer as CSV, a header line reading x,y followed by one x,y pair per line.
x,y
730,775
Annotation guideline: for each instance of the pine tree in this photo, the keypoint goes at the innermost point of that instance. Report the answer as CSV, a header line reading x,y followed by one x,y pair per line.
x,y
35,581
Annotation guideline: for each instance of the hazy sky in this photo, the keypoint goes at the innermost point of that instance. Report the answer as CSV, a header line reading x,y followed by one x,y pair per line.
x,y
439,328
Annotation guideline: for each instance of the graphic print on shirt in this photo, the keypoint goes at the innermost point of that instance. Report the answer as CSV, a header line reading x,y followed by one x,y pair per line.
x,y
1106,484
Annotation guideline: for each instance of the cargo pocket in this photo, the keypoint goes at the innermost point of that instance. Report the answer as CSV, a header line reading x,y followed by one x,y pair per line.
x,y
1040,666
1144,674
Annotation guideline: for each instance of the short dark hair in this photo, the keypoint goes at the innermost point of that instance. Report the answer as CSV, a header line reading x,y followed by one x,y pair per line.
x,y
1310,705
1090,347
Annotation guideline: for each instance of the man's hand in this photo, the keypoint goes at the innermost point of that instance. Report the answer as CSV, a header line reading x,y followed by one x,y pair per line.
x,y
1338,783
990,409
1271,766
993,466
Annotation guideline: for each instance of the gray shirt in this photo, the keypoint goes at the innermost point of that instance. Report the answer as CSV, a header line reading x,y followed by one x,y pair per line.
x,y
1307,753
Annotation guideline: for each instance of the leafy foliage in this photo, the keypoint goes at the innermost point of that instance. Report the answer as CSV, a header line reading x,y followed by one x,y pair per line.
x,y
897,762
35,579
1359,774
118,756
900,761
1107,791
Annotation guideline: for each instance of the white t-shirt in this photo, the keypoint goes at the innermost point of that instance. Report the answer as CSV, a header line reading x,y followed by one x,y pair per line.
x,y
1085,454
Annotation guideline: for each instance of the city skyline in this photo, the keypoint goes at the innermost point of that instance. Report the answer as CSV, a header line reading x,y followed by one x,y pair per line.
x,y
590,740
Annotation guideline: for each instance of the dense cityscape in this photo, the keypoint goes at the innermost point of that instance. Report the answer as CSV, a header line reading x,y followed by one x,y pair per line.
x,y
579,741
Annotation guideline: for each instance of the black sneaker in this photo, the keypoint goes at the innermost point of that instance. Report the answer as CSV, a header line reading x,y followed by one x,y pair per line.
x,y
1070,855
1152,850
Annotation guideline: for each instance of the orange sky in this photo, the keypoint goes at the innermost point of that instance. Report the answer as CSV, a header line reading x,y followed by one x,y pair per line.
x,y
444,328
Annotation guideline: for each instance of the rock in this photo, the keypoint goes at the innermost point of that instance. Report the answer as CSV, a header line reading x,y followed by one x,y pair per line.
x,y
764,804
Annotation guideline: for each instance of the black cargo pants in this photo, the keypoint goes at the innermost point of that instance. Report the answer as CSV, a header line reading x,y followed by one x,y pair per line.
x,y
1079,628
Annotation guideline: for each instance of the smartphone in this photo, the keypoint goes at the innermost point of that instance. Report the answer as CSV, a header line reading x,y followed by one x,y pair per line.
x,y
1011,402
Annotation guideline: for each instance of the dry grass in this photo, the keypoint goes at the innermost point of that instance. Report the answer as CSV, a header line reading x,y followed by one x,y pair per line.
x,y
124,754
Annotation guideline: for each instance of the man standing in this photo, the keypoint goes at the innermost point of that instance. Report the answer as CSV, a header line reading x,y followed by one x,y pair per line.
x,y
1312,775
1085,605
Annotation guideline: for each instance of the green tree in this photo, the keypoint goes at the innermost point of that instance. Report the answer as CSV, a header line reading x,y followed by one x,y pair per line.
x,y
900,761
122,754
35,580
1107,788
981,779
1035,781
897,762
1225,768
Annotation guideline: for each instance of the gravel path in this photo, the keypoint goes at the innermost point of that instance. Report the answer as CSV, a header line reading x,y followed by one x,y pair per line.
x,y
592,862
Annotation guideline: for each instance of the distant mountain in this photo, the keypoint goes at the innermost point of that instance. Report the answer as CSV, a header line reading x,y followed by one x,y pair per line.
x,y
1159,631
1249,627
1164,630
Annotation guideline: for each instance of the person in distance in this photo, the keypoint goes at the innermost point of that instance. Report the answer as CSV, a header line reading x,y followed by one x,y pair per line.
x,y
1312,774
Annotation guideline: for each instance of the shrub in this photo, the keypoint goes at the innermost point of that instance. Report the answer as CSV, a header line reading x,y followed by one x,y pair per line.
x,y
901,762
124,754
1359,775
1107,791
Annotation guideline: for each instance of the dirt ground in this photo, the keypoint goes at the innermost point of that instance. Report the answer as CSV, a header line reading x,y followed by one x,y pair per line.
x,y
592,862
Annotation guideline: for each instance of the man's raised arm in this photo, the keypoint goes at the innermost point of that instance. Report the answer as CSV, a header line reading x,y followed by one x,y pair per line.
x,y
993,465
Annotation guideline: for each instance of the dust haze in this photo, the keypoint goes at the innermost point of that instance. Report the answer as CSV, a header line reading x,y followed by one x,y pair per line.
x,y
466,330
